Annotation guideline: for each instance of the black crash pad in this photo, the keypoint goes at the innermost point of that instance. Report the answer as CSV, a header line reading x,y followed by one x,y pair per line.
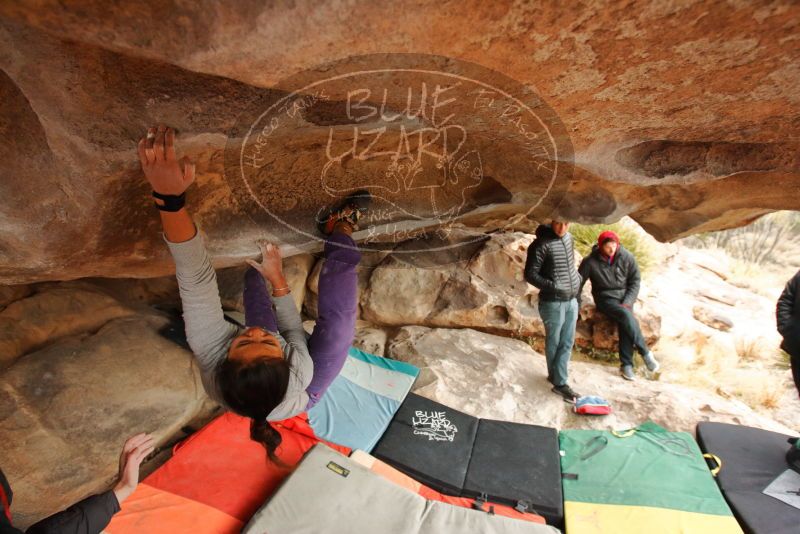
x,y
751,459
513,462
460,455
430,442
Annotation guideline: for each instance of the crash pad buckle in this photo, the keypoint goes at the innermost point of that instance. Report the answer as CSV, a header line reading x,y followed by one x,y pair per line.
x,y
480,501
522,506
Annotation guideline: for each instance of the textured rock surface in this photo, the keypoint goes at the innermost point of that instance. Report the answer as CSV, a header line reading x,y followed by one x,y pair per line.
x,y
499,378
89,371
598,331
684,115
483,288
486,289
714,319
43,318
9,294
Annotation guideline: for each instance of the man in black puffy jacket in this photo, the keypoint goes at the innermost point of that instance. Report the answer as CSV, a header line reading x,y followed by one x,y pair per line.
x,y
615,285
788,314
551,268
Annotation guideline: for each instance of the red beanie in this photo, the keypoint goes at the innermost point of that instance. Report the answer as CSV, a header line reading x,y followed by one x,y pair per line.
x,y
605,236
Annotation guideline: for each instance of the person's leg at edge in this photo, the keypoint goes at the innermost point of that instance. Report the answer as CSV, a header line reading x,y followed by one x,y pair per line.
x,y
257,304
336,316
551,317
566,341
794,359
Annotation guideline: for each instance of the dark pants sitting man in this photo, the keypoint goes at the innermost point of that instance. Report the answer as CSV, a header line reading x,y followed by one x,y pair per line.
x,y
615,285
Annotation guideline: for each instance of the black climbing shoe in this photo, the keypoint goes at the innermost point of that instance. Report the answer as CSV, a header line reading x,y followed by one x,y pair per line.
x,y
350,210
566,393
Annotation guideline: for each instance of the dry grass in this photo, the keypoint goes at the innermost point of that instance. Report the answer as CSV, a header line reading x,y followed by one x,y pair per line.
x,y
743,273
770,399
746,371
765,280
750,349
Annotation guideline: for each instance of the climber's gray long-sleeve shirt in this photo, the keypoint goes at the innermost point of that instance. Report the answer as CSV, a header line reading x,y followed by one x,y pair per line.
x,y
209,334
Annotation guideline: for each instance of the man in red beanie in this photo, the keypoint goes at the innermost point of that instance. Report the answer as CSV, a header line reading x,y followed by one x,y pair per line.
x,y
615,285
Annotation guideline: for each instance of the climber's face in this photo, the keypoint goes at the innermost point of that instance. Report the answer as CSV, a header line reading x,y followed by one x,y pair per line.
x,y
609,248
255,343
560,227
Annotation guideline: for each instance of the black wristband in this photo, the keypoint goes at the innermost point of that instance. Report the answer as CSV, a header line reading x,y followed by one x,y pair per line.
x,y
171,202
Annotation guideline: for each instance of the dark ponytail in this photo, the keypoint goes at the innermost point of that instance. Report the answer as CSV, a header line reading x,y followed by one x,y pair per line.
x,y
265,433
253,389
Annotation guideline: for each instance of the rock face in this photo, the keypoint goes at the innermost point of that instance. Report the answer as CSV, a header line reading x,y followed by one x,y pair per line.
x,y
598,331
499,378
485,290
683,115
89,372
47,316
711,318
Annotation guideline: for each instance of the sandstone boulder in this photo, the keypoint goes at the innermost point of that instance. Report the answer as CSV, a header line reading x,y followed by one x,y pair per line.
x,y
596,330
712,318
370,338
65,410
9,294
46,316
657,128
485,289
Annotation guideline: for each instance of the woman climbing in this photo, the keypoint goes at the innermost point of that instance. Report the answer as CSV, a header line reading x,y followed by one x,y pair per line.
x,y
269,370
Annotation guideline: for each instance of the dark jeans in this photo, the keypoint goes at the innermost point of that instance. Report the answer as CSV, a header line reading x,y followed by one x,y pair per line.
x,y
630,335
559,318
336,311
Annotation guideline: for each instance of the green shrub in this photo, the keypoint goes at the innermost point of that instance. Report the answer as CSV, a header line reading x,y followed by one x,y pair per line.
x,y
585,236
601,355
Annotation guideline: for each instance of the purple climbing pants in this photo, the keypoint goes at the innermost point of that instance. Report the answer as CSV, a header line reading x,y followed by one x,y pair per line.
x,y
336,316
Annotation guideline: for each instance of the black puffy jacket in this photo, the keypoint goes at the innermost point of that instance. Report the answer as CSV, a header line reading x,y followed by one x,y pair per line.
x,y
89,516
788,315
619,280
551,265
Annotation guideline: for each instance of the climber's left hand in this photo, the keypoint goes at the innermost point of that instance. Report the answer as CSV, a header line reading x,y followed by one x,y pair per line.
x,y
160,166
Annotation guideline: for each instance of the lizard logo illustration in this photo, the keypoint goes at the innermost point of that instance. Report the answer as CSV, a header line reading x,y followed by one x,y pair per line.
x,y
433,139
435,425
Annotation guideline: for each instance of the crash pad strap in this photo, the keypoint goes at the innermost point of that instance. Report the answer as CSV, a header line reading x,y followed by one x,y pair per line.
x,y
716,459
